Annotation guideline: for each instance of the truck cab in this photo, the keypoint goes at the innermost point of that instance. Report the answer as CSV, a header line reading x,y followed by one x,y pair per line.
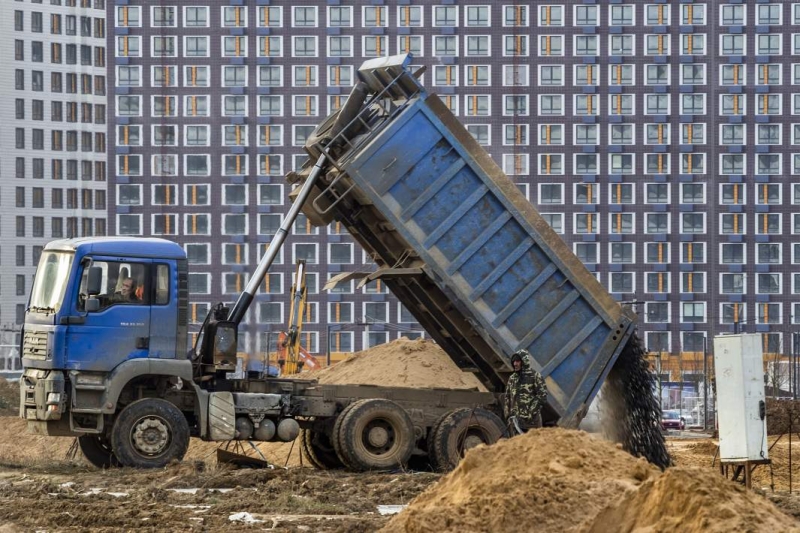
x,y
100,307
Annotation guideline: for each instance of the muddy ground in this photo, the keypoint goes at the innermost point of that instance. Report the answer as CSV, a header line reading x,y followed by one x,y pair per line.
x,y
43,489
66,496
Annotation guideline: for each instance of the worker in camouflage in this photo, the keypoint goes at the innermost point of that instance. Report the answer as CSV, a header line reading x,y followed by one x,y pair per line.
x,y
526,394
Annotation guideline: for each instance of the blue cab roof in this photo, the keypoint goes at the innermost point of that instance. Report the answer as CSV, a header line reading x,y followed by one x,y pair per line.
x,y
120,246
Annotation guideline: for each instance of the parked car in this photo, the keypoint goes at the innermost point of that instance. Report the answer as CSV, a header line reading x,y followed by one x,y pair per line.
x,y
672,420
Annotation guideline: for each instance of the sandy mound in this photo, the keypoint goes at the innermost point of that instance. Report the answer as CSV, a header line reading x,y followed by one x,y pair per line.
x,y
568,477
401,363
690,500
572,482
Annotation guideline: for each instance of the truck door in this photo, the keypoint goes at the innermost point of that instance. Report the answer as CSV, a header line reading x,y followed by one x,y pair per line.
x,y
120,328
164,311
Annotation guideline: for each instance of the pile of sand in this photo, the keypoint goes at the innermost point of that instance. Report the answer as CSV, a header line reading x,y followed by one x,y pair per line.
x,y
692,500
552,480
557,480
402,363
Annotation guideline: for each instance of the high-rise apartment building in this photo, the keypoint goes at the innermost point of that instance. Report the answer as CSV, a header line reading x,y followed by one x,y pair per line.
x,y
53,146
658,138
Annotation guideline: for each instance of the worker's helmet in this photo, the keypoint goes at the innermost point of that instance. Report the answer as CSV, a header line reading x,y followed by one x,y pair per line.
x,y
520,355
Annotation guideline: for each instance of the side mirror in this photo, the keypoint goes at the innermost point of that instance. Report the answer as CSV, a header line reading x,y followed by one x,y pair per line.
x,y
92,305
95,281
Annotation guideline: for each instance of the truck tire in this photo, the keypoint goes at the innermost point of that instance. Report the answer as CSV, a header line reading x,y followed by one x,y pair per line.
x,y
97,450
375,434
336,441
149,433
318,450
459,431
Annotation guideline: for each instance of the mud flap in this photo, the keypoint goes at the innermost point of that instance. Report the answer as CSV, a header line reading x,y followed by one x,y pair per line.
x,y
221,416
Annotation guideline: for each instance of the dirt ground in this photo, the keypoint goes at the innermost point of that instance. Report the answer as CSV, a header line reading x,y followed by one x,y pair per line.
x,y
199,495
42,489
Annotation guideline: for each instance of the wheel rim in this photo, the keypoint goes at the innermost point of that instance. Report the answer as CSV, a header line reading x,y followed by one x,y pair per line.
x,y
473,436
378,437
151,436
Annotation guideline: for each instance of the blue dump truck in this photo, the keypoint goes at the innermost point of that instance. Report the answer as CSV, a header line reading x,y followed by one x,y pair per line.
x,y
105,338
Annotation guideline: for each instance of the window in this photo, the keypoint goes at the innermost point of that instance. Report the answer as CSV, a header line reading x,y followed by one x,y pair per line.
x,y
548,16
586,223
768,253
657,222
478,105
621,133
621,252
693,312
768,164
768,74
236,46
481,133
234,17
164,106
586,75
196,46
768,283
127,46
657,14
694,163
163,46
622,15
622,45
657,45
375,17
770,314
657,282
621,163
657,104
409,16
621,74
732,15
339,17
162,16
586,45
443,45
732,223
234,76
657,312
478,45
693,223
270,16
551,45
621,223
586,252
445,16
271,46
657,134
163,135
769,44
657,74
586,15
340,46
550,75
585,105
693,74
587,134
621,282
656,163
657,193
693,44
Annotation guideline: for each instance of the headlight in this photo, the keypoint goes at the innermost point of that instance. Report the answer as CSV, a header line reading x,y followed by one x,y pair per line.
x,y
53,398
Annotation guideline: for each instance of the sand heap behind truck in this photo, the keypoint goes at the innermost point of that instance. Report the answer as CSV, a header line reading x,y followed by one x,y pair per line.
x,y
458,243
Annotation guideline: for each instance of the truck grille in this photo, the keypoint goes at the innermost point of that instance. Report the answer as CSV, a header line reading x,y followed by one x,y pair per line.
x,y
34,345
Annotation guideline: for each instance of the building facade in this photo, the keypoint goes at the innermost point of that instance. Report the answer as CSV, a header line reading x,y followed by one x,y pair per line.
x,y
53,140
656,137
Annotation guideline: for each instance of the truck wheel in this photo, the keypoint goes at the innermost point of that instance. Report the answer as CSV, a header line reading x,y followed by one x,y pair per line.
x,y
336,441
150,433
376,434
318,450
97,450
459,431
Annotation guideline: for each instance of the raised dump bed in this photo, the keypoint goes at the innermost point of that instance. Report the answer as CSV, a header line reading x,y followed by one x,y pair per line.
x,y
460,246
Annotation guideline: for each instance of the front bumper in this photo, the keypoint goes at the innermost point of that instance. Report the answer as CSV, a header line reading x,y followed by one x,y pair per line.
x,y
43,395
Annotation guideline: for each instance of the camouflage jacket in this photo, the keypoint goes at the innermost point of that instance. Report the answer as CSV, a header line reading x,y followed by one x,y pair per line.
x,y
526,394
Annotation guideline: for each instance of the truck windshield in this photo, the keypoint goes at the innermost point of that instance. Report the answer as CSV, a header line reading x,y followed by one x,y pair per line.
x,y
50,282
